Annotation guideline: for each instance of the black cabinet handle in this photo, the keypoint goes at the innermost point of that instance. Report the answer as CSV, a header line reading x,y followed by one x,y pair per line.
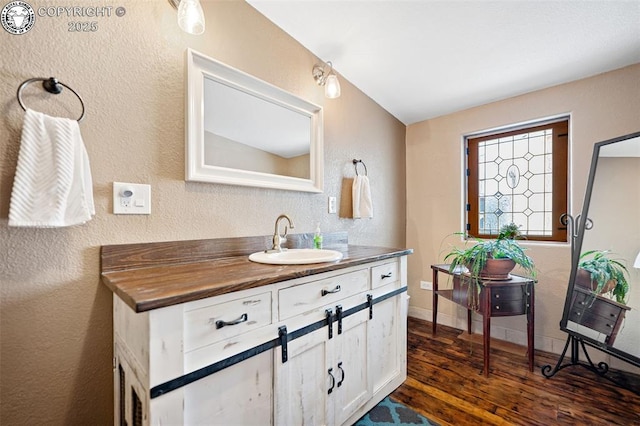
x,y
335,290
342,370
243,318
333,381
383,276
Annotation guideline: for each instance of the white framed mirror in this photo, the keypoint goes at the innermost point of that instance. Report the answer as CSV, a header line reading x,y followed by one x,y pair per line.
x,y
241,130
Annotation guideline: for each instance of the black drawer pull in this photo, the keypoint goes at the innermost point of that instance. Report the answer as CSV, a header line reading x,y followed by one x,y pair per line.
x,y
383,276
497,307
497,296
243,318
335,290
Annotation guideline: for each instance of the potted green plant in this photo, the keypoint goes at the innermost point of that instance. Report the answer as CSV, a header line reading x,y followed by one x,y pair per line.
x,y
492,259
601,274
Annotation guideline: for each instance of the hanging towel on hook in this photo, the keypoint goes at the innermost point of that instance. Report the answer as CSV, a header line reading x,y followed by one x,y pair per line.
x,y
361,195
52,185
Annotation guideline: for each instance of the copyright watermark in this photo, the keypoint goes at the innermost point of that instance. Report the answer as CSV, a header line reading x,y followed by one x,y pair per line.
x,y
18,17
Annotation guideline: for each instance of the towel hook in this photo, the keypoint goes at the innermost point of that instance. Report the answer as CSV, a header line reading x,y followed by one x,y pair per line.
x,y
51,85
355,166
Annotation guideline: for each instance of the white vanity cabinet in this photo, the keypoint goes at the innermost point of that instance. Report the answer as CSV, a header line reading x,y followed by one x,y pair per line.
x,y
156,349
321,349
325,378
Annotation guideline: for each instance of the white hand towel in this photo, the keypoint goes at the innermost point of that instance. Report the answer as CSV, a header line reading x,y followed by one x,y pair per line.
x,y
52,186
361,195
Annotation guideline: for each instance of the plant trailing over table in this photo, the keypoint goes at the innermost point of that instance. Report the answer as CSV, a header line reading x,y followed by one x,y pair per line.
x,y
506,246
609,275
501,254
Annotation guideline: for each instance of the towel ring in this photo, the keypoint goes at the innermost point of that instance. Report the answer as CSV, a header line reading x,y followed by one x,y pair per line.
x,y
355,166
51,85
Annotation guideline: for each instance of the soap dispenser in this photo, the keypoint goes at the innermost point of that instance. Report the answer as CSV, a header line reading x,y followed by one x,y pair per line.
x,y
317,238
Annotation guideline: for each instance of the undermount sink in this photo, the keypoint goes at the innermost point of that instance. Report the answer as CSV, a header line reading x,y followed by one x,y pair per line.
x,y
296,256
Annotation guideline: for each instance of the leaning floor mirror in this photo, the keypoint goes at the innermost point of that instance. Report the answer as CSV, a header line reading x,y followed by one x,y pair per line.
x,y
602,306
241,130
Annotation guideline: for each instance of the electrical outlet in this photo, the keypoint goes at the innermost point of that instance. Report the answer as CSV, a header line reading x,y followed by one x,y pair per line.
x,y
131,198
426,285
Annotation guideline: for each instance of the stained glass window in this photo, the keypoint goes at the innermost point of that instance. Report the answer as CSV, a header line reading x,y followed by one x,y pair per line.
x,y
519,177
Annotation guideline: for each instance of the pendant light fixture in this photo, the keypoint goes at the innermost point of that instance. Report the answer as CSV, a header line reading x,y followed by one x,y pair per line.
x,y
190,16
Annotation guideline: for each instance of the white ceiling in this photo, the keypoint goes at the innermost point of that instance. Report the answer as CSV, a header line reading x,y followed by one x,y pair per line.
x,y
424,58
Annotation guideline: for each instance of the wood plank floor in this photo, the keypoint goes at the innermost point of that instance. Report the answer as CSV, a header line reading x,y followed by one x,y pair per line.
x,y
446,384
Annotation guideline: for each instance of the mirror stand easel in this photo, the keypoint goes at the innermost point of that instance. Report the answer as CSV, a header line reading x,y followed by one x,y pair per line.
x,y
575,341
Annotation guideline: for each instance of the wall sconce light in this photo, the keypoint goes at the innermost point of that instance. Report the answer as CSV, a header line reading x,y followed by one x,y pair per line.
x,y
636,264
190,15
328,79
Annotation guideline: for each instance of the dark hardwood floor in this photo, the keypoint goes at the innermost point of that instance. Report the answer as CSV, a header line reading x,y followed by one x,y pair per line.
x,y
446,384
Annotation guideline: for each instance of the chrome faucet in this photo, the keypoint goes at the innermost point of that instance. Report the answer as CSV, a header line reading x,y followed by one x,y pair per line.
x,y
280,239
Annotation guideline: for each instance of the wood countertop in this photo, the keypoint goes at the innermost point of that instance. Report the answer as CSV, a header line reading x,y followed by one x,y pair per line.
x,y
155,275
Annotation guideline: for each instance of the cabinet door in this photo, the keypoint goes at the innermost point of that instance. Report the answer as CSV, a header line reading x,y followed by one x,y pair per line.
x,y
238,395
387,336
302,383
353,384
324,381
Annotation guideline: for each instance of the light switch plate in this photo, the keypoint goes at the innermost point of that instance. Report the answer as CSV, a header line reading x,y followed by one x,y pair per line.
x,y
332,205
131,198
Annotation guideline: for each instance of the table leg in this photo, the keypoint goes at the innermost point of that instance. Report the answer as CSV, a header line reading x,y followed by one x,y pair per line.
x,y
531,324
435,301
486,327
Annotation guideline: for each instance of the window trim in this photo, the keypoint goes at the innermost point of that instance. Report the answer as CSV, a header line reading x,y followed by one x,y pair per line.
x,y
561,190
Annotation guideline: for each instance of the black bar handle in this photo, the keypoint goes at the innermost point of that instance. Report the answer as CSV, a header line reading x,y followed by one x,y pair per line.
x,y
329,315
339,317
243,318
342,370
383,276
282,335
335,290
370,304
333,381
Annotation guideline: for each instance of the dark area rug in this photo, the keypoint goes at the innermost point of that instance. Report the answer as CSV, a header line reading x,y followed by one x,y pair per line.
x,y
389,412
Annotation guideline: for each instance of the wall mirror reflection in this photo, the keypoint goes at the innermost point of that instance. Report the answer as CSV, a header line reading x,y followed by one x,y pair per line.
x,y
602,308
244,131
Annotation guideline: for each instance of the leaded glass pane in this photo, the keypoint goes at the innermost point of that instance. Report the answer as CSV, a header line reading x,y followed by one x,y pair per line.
x,y
515,183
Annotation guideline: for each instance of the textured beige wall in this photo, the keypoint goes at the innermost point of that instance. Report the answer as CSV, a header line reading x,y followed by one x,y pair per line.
x,y
601,107
55,343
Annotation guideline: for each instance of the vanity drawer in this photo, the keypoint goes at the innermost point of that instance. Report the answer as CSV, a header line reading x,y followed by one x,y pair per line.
x,y
305,297
384,274
210,324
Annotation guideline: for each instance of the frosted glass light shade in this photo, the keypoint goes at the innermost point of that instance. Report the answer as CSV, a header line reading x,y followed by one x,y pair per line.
x,y
636,264
191,17
332,87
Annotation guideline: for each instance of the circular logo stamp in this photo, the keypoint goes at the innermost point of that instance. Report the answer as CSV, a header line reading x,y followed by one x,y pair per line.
x,y
17,17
